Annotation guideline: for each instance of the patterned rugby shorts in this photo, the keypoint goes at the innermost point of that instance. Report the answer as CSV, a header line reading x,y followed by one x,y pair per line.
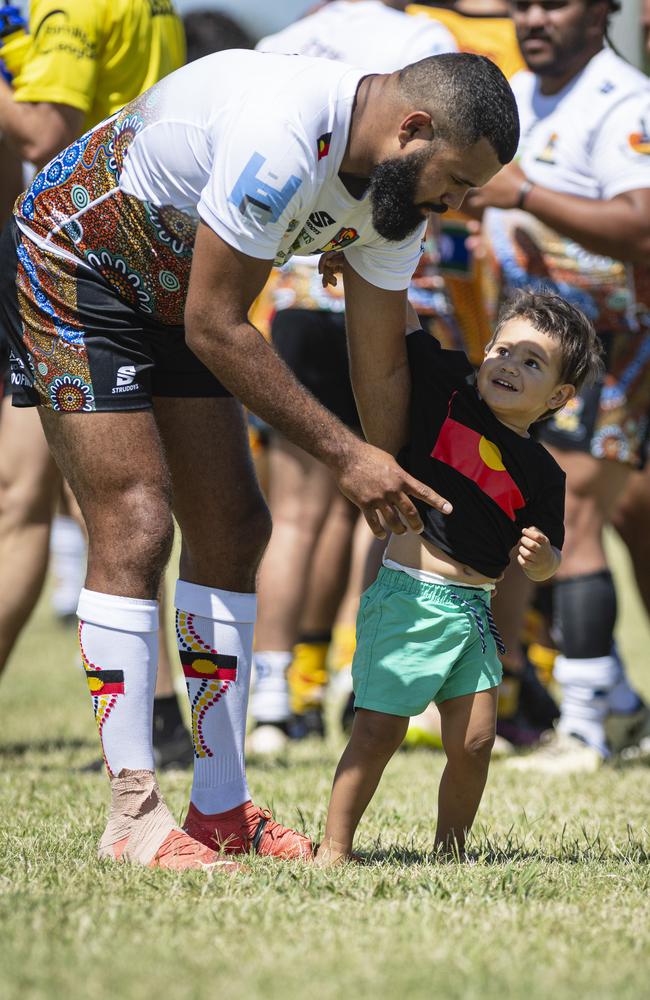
x,y
611,419
77,347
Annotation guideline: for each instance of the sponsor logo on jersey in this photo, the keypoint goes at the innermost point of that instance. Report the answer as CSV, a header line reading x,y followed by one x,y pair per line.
x,y
343,238
640,141
547,155
320,220
259,199
323,144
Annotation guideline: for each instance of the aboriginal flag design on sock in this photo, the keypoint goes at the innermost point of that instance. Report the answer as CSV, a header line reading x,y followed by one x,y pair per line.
x,y
479,459
206,666
102,682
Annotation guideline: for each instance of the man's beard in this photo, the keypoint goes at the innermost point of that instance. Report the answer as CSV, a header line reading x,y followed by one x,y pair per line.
x,y
393,185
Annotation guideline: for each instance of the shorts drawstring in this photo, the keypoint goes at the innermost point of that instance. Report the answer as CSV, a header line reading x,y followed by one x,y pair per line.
x,y
473,610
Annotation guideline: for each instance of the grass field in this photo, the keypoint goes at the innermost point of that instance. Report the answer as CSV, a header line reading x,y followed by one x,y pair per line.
x,y
556,902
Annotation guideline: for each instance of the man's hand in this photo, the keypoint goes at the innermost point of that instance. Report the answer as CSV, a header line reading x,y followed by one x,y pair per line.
x,y
502,191
536,556
373,480
330,264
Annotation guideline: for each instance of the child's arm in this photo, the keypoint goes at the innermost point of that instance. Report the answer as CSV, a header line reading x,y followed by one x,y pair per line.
x,y
536,556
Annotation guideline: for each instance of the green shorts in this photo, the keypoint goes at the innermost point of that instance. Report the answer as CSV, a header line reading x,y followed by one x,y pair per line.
x,y
421,642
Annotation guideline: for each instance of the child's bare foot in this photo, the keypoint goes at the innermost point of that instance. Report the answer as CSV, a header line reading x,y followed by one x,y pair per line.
x,y
330,853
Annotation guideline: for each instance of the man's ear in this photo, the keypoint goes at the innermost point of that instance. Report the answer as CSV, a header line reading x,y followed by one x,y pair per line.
x,y
561,396
416,125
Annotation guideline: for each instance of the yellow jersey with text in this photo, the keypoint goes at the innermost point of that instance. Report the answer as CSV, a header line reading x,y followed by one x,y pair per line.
x,y
97,55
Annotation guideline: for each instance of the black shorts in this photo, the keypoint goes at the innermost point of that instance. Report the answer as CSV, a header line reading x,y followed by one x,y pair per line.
x,y
313,344
77,347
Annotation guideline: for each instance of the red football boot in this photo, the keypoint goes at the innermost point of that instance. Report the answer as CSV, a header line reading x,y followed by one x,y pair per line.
x,y
246,828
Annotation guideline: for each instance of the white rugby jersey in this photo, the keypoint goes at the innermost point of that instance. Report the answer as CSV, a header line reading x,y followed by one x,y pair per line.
x,y
378,39
366,33
592,139
250,143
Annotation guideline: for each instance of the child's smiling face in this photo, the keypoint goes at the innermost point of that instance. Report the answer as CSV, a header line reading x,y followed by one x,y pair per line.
x,y
519,378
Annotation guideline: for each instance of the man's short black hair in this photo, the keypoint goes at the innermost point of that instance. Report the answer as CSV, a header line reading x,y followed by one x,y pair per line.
x,y
468,98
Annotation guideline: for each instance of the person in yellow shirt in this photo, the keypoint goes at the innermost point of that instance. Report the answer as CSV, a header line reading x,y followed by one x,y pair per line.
x,y
83,61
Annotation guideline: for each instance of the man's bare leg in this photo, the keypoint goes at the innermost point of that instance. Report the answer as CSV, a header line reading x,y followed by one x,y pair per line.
x,y
631,518
585,612
225,527
29,489
116,468
300,495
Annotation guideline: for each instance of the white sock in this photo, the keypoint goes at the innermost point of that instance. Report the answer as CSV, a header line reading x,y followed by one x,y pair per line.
x,y
68,564
270,701
586,684
119,649
623,699
214,631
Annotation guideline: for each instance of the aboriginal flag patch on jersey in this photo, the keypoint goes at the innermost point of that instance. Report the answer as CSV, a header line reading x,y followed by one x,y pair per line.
x,y
105,682
323,143
209,666
471,454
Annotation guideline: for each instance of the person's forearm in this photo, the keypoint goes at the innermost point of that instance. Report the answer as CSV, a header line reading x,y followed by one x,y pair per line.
x,y
611,228
252,371
37,131
383,407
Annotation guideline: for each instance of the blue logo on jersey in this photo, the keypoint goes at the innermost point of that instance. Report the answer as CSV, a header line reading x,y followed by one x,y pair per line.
x,y
257,199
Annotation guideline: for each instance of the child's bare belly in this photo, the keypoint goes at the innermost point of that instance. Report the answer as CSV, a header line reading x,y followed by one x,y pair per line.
x,y
412,550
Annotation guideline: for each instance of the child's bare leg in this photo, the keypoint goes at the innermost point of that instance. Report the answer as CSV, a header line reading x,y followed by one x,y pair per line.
x,y
468,729
375,738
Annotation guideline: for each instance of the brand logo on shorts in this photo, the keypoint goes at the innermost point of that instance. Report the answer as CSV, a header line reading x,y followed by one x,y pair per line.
x,y
124,379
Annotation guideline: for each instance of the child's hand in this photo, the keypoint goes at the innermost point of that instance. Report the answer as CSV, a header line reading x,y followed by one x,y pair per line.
x,y
329,265
536,555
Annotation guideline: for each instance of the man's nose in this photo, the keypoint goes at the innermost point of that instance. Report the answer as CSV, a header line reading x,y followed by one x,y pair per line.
x,y
454,199
534,16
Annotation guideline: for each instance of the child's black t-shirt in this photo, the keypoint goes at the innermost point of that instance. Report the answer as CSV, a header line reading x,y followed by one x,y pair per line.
x,y
497,481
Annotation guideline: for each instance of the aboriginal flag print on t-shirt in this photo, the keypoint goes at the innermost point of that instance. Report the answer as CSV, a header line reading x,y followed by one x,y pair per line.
x,y
497,481
471,454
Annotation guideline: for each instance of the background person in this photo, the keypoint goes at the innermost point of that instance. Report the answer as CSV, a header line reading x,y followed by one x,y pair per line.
x,y
573,214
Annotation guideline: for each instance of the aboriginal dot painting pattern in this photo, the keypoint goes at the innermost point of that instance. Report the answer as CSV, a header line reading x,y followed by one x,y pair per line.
x,y
208,692
103,705
47,296
143,251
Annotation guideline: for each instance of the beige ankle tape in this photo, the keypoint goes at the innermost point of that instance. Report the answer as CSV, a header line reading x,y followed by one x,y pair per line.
x,y
138,813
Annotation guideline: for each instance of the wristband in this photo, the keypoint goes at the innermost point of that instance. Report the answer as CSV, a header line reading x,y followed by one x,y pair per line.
x,y
525,189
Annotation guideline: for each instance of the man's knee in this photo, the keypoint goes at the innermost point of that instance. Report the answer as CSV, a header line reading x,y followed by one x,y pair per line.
x,y
135,534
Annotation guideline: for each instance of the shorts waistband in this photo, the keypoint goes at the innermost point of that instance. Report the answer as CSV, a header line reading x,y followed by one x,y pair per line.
x,y
438,591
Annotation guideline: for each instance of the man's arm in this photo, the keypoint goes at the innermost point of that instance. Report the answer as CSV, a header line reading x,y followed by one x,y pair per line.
x,y
618,228
223,284
376,321
37,131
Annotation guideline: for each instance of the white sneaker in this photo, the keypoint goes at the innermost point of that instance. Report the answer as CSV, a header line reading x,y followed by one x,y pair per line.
x,y
559,753
630,731
266,741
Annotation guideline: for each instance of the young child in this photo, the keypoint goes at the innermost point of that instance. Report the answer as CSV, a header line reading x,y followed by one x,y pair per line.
x,y
425,632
